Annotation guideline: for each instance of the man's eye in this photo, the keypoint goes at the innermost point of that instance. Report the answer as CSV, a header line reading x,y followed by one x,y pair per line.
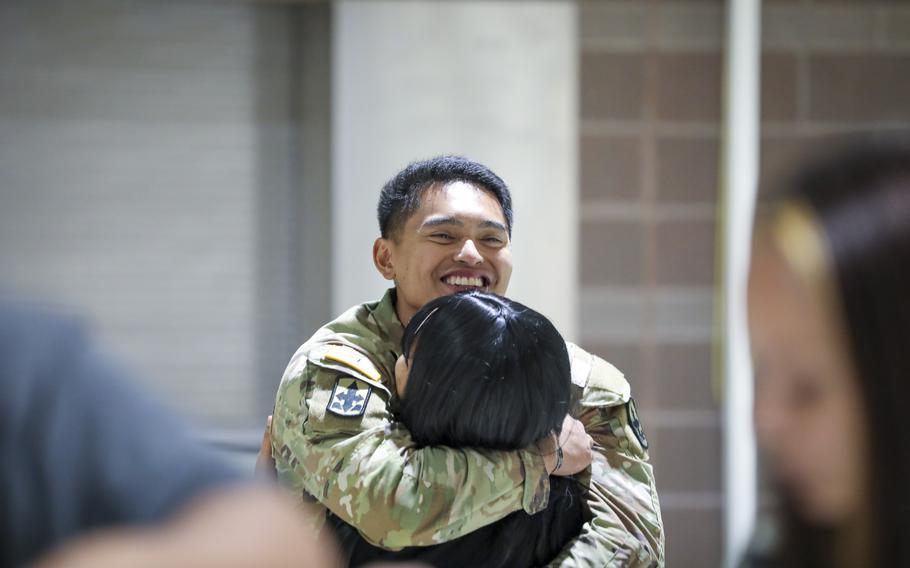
x,y
493,240
443,236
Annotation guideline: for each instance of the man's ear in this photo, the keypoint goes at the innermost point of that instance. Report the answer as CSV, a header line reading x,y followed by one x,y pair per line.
x,y
382,258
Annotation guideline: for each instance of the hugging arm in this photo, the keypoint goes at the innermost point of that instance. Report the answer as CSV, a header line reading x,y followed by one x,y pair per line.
x,y
625,528
370,474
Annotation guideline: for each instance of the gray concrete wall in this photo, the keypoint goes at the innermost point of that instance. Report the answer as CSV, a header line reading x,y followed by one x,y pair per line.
x,y
145,181
494,81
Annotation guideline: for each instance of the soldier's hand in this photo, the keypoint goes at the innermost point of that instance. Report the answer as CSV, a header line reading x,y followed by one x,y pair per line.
x,y
265,465
577,449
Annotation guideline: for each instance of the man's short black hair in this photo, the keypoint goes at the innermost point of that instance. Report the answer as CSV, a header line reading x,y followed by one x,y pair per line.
x,y
400,196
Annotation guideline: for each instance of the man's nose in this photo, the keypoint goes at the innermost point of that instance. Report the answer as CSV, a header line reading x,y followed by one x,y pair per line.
x,y
468,253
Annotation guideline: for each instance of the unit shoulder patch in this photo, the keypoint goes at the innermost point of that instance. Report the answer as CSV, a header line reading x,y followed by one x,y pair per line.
x,y
635,424
349,397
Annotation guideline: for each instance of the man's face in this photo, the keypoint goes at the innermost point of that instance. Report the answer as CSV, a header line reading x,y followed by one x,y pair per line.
x,y
457,240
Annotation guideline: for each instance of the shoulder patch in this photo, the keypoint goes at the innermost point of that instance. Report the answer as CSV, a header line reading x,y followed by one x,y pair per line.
x,y
349,397
635,424
354,359
339,359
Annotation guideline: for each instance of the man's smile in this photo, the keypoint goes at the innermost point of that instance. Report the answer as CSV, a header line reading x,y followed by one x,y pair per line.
x,y
466,280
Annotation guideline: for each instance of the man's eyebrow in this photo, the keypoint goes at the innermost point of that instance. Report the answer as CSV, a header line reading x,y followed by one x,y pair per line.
x,y
449,220
493,225
441,220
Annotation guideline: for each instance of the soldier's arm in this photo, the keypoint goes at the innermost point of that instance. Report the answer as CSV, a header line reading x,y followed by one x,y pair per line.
x,y
626,527
369,473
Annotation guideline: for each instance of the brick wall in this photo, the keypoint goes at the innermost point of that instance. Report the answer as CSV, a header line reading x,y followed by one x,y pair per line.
x,y
650,110
832,68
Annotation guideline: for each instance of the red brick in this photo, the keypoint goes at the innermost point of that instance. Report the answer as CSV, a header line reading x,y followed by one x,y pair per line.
x,y
612,86
610,167
611,253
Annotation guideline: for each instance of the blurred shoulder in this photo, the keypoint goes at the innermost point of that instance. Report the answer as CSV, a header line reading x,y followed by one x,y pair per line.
x,y
34,337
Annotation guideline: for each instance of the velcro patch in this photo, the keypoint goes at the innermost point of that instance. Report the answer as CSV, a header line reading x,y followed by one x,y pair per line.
x,y
635,423
349,397
580,365
353,359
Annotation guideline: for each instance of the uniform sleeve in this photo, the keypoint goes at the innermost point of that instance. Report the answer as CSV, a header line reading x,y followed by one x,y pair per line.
x,y
625,528
369,473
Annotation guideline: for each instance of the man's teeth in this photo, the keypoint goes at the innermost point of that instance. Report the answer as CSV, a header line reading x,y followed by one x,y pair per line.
x,y
464,281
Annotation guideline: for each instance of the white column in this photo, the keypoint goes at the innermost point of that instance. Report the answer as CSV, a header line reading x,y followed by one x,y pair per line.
x,y
739,186
494,81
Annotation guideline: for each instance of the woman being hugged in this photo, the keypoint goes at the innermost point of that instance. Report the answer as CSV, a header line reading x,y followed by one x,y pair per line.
x,y
485,372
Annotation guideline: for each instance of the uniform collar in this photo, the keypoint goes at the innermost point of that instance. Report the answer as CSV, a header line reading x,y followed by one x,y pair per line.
x,y
386,319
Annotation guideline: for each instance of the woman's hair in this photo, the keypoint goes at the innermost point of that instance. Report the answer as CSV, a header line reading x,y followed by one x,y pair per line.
x,y
860,198
490,373
485,372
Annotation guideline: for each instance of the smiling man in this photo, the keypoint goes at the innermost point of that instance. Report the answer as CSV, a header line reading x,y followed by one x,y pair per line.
x,y
445,226
456,239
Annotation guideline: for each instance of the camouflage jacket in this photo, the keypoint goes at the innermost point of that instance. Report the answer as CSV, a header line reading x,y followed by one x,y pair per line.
x,y
335,439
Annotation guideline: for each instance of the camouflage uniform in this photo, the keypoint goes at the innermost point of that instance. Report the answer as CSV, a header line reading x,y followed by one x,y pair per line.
x,y
334,438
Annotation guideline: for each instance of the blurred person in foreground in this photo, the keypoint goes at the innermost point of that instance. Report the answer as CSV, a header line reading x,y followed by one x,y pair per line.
x,y
829,310
446,226
479,370
93,474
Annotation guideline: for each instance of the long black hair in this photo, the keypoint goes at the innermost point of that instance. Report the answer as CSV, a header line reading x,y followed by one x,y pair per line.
x,y
860,197
485,372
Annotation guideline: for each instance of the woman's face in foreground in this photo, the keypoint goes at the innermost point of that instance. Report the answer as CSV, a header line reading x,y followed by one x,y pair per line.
x,y
808,413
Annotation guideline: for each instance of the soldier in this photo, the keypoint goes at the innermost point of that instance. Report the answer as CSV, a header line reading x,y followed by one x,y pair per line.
x,y
485,372
445,226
